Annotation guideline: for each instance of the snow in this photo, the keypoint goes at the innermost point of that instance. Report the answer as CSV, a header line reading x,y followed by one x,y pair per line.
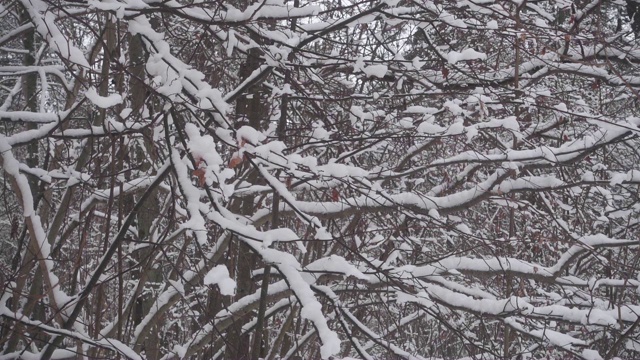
x,y
37,236
589,354
219,275
103,102
450,19
632,345
427,127
420,109
336,264
12,167
465,55
250,135
63,353
32,117
264,11
122,349
311,309
46,26
319,132
379,71
557,338
337,170
202,147
453,107
196,222
171,294
529,182
179,350
171,75
620,178
388,164
27,355
323,234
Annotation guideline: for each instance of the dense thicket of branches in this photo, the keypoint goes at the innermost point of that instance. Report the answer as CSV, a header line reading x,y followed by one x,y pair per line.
x,y
296,178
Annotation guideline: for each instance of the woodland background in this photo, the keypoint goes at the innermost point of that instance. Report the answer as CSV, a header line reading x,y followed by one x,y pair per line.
x,y
399,179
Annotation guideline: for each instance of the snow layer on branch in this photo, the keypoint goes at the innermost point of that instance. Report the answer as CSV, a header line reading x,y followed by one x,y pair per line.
x,y
12,167
27,355
465,55
529,182
257,10
477,265
196,222
630,176
36,231
120,8
171,75
33,134
121,348
589,354
336,264
105,342
33,117
103,102
249,134
311,308
378,71
545,154
47,28
557,338
337,170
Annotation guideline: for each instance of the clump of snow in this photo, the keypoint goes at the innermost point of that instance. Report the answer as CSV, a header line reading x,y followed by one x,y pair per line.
x,y
591,355
125,112
45,23
250,135
323,234
378,71
180,351
492,25
202,147
219,275
406,123
319,131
